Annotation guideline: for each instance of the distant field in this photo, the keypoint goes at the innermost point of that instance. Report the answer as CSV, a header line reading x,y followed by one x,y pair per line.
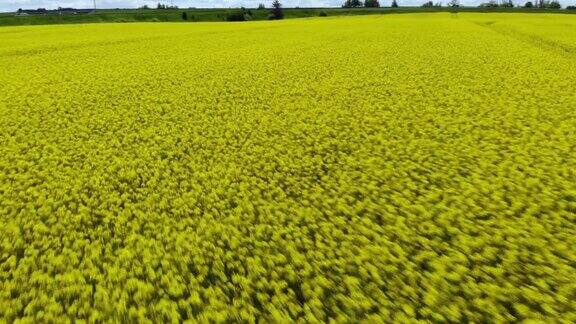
x,y
378,168
204,15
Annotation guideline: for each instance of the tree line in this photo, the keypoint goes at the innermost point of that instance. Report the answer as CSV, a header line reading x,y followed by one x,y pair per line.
x,y
277,12
243,14
367,4
542,4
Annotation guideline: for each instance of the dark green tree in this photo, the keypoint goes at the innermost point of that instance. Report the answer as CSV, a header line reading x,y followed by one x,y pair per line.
x,y
352,4
371,4
277,12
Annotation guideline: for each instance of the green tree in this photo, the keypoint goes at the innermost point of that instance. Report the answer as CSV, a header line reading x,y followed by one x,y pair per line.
x,y
277,12
371,4
352,4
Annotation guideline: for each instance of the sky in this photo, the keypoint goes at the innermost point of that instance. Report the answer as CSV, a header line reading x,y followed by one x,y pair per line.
x,y
13,5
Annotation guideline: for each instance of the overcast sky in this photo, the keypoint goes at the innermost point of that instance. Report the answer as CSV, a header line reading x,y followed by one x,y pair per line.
x,y
12,5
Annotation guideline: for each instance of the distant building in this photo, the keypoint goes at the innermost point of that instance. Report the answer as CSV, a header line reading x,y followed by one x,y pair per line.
x,y
59,11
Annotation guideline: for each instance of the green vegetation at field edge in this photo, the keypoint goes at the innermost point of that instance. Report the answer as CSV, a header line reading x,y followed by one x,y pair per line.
x,y
205,15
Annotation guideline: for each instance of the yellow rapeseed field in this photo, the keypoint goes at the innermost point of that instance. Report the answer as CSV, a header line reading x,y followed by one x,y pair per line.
x,y
388,168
